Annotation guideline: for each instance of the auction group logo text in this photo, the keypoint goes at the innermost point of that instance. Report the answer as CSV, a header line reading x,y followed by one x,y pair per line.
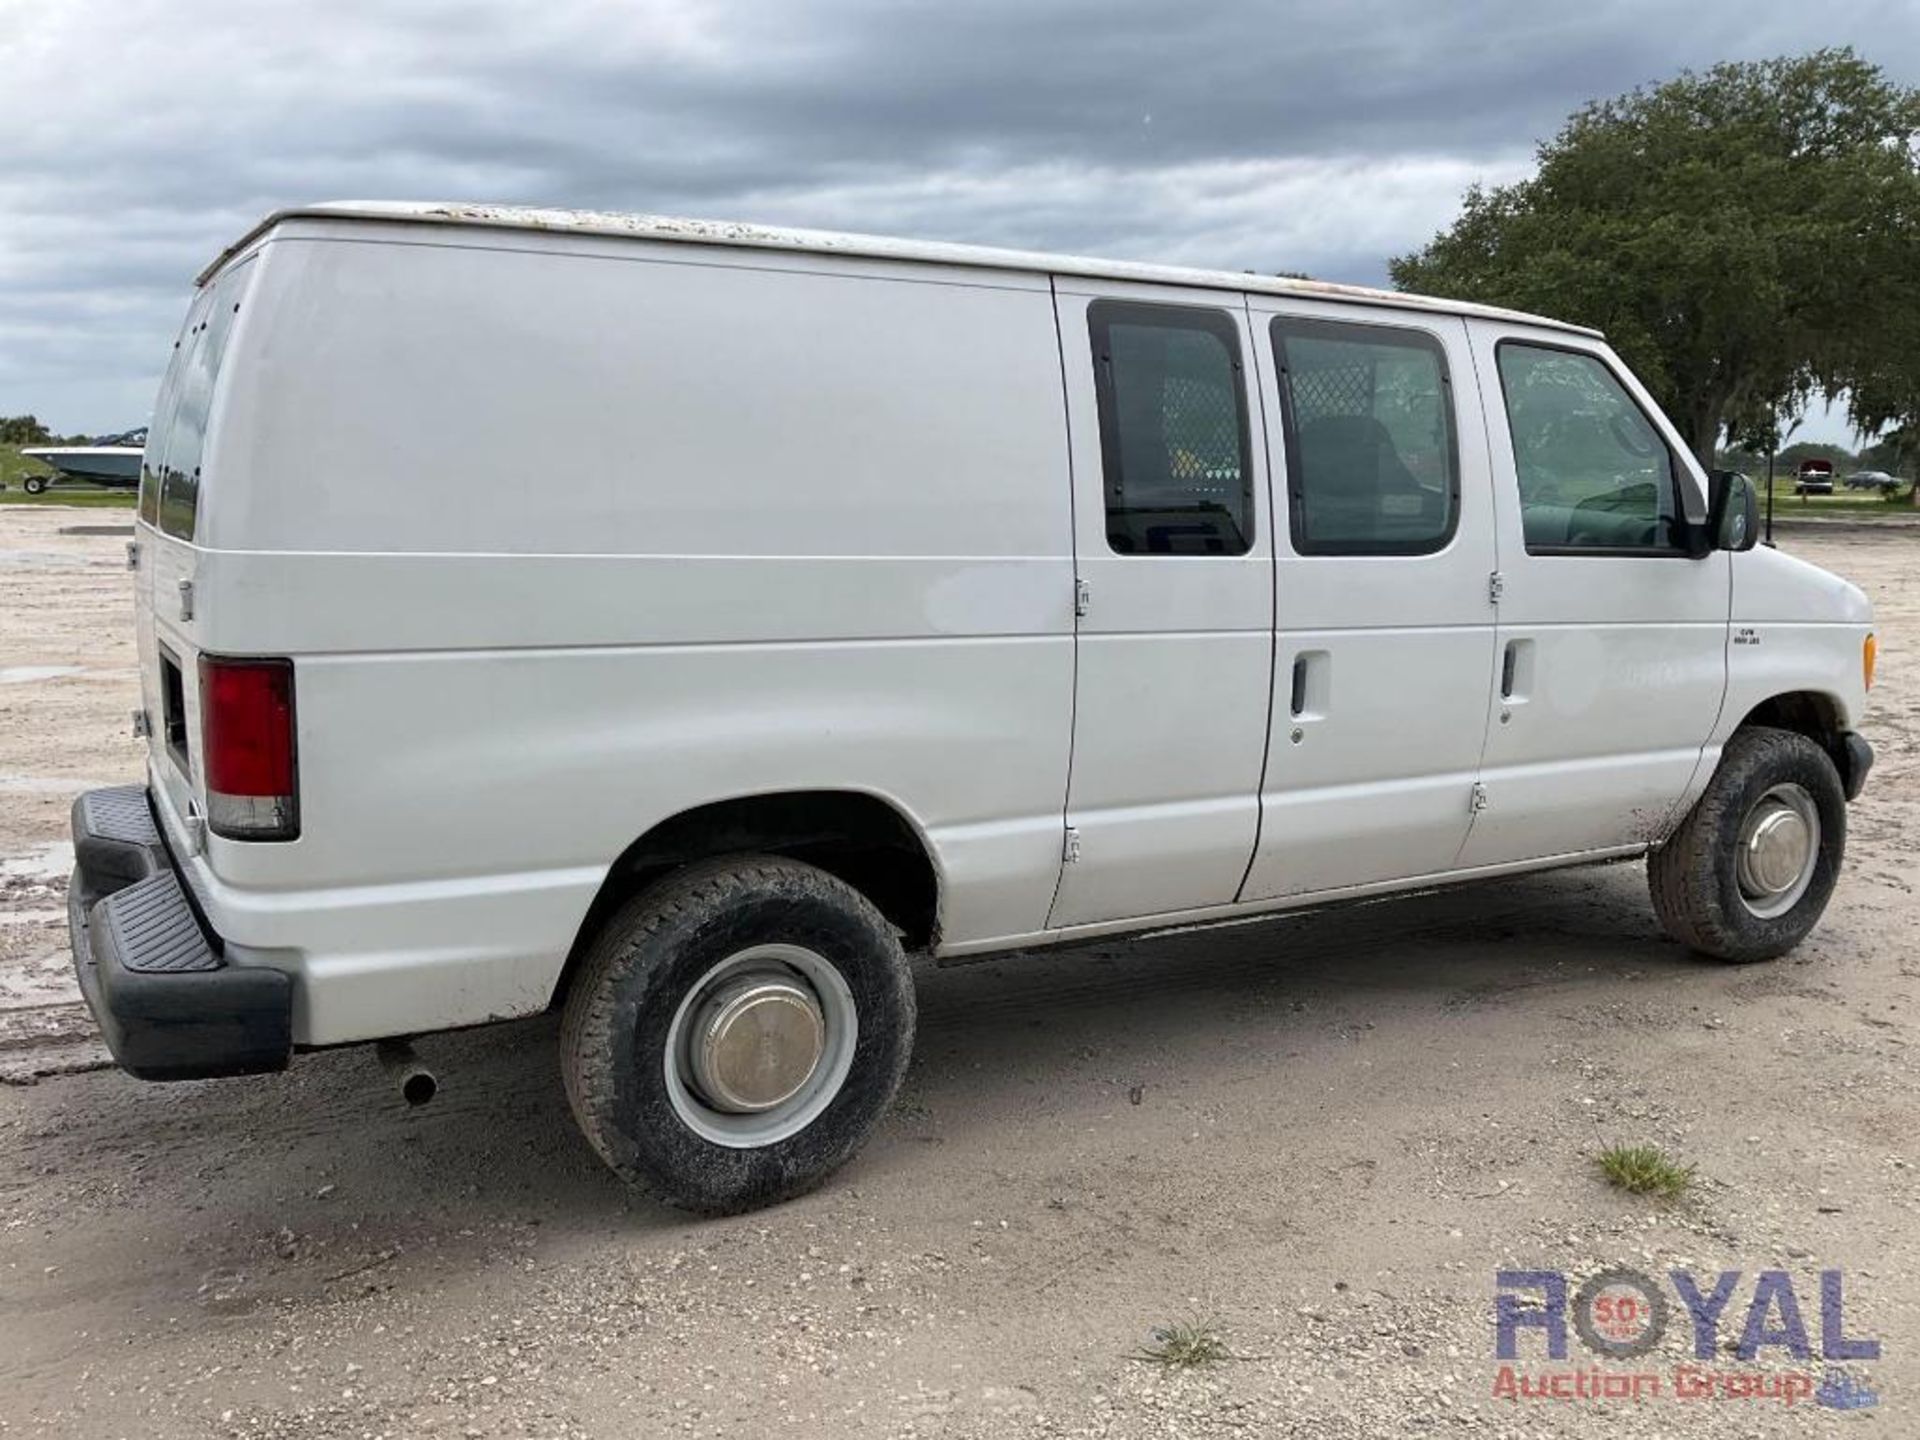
x,y
1622,1315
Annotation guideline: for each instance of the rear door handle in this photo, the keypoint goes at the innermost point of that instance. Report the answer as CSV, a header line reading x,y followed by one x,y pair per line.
x,y
1507,663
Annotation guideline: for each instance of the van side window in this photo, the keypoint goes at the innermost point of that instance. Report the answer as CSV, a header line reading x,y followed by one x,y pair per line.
x,y
1594,473
1367,410
1173,430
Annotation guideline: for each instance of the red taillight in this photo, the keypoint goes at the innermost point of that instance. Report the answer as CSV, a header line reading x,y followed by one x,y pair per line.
x,y
247,748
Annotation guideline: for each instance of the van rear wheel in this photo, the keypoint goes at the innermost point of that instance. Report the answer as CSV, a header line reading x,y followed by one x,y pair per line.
x,y
1751,868
736,1032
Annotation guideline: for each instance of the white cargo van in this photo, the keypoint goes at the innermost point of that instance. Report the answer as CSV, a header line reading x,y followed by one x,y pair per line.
x,y
680,624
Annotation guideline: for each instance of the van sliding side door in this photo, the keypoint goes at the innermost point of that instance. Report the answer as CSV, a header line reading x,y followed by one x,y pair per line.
x,y
1385,643
1173,543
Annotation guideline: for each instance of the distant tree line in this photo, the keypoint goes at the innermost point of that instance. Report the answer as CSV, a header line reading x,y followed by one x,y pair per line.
x,y
27,430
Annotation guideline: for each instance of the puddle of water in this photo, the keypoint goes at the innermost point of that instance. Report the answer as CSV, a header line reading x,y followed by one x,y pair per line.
x,y
27,674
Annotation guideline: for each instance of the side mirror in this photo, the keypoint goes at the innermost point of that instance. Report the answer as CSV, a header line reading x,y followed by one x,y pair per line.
x,y
1733,515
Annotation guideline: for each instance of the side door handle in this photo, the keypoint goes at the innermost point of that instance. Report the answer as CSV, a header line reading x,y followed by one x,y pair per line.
x,y
1516,671
1312,692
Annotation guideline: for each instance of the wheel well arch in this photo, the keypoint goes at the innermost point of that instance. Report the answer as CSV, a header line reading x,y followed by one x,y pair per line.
x,y
854,835
1821,718
1805,712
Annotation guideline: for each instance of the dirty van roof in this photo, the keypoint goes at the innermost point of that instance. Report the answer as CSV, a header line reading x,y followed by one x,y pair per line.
x,y
826,242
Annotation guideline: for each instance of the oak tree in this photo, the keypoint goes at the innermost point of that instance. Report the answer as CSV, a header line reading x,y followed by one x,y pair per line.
x,y
1747,237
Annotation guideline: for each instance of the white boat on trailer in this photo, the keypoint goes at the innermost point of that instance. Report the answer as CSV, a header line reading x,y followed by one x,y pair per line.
x,y
112,460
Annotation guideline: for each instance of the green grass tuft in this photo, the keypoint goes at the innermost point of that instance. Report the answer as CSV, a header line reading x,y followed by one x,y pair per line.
x,y
1187,1345
1645,1170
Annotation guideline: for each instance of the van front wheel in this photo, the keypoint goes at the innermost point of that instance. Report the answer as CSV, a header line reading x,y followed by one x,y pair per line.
x,y
736,1032
1750,869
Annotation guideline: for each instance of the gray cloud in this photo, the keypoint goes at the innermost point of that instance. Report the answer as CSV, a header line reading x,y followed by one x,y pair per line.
x,y
140,135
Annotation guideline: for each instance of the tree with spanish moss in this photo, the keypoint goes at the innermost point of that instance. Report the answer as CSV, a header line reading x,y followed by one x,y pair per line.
x,y
1748,237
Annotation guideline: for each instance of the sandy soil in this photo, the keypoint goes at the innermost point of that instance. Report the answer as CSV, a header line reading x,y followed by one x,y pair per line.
x,y
1325,1133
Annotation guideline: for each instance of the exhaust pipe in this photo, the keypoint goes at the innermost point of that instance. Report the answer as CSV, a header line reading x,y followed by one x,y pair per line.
x,y
417,1083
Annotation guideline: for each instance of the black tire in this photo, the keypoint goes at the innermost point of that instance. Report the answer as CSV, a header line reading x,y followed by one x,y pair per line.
x,y
1694,876
34,484
643,963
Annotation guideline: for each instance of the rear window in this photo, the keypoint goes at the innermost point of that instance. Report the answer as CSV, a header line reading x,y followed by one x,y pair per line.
x,y
1173,430
163,408
170,472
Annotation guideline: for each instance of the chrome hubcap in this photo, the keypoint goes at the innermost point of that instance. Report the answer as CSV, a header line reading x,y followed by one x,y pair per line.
x,y
760,1046
756,1042
1779,846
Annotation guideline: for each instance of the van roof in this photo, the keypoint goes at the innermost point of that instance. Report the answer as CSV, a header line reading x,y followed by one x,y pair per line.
x,y
929,252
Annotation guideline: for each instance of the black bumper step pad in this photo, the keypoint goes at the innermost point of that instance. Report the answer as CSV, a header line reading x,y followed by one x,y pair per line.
x,y
153,929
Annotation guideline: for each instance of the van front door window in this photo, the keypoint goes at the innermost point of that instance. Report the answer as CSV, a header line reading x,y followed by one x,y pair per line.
x,y
1593,472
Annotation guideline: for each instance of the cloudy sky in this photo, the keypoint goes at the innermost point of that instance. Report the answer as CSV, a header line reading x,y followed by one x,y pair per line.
x,y
138,136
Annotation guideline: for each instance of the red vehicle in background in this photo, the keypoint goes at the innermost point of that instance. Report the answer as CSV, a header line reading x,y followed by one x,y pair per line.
x,y
1815,478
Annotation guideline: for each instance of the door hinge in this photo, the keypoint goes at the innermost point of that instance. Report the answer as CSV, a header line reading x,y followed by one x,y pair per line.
x,y
142,725
1496,587
1070,850
1479,797
186,599
1082,597
133,554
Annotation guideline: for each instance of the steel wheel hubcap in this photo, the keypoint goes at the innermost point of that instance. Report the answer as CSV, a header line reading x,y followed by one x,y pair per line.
x,y
755,1042
1779,845
760,1045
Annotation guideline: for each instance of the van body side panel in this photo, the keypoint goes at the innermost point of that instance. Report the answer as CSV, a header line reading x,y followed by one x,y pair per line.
x,y
643,404
563,545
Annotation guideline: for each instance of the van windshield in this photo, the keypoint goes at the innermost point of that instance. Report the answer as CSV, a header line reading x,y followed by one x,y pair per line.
x,y
170,471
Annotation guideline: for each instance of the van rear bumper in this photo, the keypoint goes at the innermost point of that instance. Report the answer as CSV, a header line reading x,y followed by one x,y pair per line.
x,y
152,972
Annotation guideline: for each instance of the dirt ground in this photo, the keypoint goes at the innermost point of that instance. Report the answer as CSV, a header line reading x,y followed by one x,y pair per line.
x,y
1325,1134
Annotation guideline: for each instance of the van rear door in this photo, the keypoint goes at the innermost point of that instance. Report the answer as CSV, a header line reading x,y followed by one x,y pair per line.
x,y
171,484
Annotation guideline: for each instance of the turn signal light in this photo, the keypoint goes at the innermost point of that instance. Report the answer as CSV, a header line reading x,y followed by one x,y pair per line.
x,y
1869,653
247,748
